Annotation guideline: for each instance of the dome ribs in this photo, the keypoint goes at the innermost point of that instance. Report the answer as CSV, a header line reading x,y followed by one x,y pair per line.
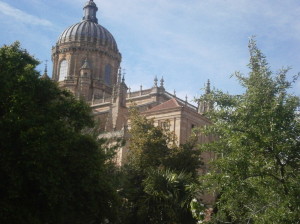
x,y
87,31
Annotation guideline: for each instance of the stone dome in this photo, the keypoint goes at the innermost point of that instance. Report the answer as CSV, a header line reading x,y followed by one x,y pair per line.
x,y
88,30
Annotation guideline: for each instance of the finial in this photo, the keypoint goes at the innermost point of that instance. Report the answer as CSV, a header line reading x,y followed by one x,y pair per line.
x,y
207,90
90,10
141,87
46,69
124,73
162,82
45,75
186,98
85,64
174,92
155,81
119,75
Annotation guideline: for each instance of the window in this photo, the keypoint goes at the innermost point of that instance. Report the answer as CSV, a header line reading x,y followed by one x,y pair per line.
x,y
107,75
63,70
165,125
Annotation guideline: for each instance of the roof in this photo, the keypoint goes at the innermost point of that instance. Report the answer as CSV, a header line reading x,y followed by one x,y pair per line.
x,y
88,30
170,104
174,103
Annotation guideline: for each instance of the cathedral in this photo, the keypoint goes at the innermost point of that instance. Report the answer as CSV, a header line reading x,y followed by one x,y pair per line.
x,y
86,61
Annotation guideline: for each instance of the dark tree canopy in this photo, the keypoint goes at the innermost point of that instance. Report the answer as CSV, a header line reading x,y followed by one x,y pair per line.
x,y
51,170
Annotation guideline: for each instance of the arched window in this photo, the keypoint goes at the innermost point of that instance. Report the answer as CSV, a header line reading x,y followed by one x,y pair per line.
x,y
63,70
107,75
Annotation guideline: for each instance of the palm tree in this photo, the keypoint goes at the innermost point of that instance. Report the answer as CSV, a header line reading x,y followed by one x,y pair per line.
x,y
167,197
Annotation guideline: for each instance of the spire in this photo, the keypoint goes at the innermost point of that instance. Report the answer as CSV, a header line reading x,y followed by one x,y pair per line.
x,y
207,89
141,89
162,82
46,69
123,77
45,75
155,81
205,104
119,75
90,9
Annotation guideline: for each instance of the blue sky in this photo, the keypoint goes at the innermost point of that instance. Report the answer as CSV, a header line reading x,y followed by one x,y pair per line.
x,y
185,41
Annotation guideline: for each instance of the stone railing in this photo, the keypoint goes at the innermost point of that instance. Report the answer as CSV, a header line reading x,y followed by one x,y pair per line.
x,y
139,93
101,100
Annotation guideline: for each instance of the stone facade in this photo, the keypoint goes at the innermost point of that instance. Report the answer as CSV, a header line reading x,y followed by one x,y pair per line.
x,y
154,103
86,60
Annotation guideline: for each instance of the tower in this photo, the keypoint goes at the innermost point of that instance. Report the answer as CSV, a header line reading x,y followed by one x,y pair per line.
x,y
86,58
86,61
205,106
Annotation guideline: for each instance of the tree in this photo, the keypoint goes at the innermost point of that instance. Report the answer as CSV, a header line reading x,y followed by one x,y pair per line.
x,y
157,188
185,158
168,196
51,169
149,145
257,172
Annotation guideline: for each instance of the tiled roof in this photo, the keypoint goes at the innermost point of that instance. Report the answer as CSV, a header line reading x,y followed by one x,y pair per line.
x,y
172,103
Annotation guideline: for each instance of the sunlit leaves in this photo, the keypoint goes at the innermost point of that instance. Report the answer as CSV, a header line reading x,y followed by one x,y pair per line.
x,y
257,168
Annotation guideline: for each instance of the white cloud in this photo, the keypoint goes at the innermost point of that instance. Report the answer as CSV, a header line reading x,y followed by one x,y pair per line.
x,y
207,36
187,42
22,16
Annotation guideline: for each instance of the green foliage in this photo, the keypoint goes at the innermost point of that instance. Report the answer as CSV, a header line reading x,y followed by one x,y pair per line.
x,y
185,158
256,174
149,145
198,210
157,187
51,170
168,196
